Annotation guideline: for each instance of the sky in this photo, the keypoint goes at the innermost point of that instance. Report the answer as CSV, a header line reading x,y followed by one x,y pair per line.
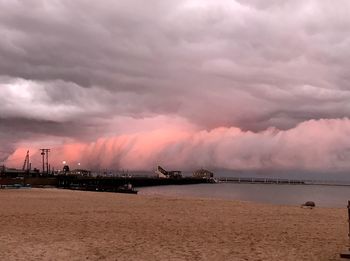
x,y
237,85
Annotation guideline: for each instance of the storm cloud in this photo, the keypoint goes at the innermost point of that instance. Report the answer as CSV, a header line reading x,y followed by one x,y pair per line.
x,y
78,72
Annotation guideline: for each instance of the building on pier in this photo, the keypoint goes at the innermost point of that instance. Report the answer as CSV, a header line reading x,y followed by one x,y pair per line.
x,y
203,173
162,173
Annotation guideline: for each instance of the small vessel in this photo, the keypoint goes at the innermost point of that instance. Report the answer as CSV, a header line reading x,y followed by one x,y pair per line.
x,y
126,188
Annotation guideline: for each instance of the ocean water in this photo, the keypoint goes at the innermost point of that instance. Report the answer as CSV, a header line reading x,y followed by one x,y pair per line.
x,y
323,196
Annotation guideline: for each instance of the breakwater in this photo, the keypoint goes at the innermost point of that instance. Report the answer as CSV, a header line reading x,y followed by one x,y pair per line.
x,y
280,181
261,180
99,183
110,183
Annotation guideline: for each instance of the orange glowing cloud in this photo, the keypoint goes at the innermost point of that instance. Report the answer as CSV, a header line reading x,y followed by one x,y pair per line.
x,y
311,145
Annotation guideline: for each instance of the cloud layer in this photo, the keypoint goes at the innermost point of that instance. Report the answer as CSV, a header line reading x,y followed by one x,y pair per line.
x,y
310,146
84,75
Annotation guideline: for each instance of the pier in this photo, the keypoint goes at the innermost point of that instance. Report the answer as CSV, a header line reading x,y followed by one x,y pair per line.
x,y
260,180
111,183
281,181
99,183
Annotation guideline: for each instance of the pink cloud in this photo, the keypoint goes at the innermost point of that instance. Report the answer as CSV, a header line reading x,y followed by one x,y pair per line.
x,y
312,145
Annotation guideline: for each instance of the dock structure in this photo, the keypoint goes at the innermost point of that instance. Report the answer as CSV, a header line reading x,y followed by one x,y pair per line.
x,y
254,180
100,183
111,183
82,179
173,174
261,180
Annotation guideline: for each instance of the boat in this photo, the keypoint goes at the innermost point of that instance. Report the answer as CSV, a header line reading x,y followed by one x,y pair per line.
x,y
126,188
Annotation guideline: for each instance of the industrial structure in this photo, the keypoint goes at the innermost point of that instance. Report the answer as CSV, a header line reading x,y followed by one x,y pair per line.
x,y
162,173
26,164
82,179
203,173
45,161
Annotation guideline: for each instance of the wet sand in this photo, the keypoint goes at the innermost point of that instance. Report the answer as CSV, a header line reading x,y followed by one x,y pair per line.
x,y
52,224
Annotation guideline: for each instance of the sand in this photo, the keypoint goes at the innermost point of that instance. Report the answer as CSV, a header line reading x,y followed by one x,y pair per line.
x,y
53,224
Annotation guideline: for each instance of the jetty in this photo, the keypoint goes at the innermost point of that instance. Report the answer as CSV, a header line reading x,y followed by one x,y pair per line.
x,y
111,183
281,181
81,179
92,183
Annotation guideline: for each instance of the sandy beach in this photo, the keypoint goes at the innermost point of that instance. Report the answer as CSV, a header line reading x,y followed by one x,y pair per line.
x,y
52,224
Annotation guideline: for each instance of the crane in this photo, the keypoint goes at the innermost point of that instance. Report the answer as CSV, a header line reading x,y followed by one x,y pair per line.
x,y
26,164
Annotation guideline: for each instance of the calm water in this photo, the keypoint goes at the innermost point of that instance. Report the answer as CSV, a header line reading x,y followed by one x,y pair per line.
x,y
325,196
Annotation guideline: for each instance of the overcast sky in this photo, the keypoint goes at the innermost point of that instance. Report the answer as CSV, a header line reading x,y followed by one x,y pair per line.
x,y
187,84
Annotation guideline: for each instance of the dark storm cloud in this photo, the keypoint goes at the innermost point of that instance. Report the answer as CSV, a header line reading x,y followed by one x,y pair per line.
x,y
250,64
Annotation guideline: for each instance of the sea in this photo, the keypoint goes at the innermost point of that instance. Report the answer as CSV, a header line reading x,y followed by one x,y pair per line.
x,y
278,194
